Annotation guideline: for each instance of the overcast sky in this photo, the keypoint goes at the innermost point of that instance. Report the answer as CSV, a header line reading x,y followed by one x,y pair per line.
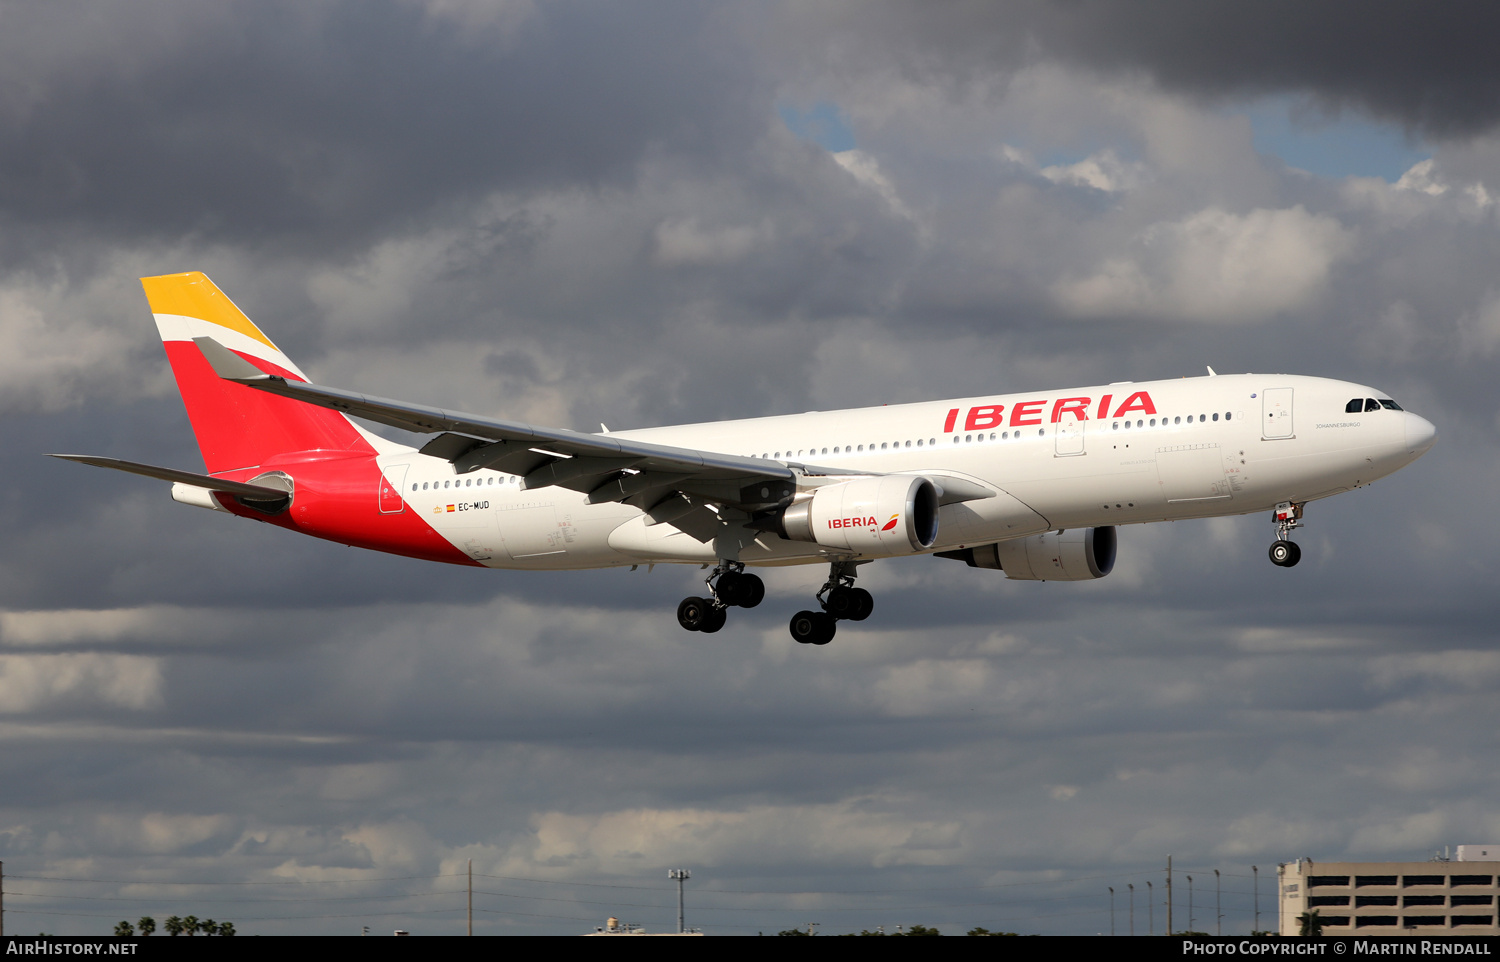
x,y
652,213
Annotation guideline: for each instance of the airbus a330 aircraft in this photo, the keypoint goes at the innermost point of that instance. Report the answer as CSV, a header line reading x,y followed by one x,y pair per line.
x,y
1033,484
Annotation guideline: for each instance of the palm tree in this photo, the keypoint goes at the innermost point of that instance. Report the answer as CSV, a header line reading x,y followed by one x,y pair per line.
x,y
190,925
1312,924
208,927
173,925
147,925
124,929
226,928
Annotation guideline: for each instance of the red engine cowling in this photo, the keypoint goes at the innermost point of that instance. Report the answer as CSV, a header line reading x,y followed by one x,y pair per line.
x,y
1077,554
892,515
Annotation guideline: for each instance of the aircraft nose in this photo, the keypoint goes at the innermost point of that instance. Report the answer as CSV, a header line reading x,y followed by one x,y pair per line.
x,y
1420,434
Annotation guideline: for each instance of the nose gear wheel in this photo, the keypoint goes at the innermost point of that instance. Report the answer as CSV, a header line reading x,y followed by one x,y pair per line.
x,y
1288,516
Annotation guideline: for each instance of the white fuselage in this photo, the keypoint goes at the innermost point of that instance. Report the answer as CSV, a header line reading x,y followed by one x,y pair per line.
x,y
1114,454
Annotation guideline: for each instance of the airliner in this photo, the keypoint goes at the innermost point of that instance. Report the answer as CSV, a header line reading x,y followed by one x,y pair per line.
x,y
1031,485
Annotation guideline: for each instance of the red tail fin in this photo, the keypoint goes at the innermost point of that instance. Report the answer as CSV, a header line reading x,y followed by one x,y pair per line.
x,y
237,427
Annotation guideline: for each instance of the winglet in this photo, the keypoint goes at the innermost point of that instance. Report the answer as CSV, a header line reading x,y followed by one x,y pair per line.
x,y
227,364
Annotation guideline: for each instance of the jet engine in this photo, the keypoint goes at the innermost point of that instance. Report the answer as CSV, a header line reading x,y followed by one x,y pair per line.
x,y
891,515
1076,554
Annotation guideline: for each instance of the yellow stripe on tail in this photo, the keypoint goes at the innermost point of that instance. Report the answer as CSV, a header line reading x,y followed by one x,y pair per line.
x,y
193,295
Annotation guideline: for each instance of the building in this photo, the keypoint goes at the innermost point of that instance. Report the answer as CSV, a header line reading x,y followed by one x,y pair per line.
x,y
1394,898
615,927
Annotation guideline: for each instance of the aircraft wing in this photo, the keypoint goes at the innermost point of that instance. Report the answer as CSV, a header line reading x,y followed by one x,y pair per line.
x,y
664,481
670,484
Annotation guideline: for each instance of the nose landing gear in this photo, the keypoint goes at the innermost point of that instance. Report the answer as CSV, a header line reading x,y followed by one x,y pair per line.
x,y
1288,515
840,601
728,584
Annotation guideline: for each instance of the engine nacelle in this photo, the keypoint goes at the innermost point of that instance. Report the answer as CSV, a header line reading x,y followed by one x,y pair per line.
x,y
891,515
1077,554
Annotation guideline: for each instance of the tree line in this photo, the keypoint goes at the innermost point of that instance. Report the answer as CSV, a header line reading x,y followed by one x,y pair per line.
x,y
191,925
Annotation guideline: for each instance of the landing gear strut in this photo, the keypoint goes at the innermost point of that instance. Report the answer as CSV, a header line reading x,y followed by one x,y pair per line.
x,y
1288,516
728,584
839,599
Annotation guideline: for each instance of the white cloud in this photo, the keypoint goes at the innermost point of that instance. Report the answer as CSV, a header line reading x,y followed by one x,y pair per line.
x,y
1458,669
54,352
72,626
1103,171
1425,177
1402,835
928,686
684,242
1422,177
1479,330
1215,267
866,169
645,840
482,21
159,832
29,682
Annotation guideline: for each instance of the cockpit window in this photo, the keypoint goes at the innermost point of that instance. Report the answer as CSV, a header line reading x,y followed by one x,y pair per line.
x,y
1355,406
1371,404
1389,405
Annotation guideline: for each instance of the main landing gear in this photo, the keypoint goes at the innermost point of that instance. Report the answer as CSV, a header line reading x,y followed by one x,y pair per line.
x,y
1288,515
843,601
728,584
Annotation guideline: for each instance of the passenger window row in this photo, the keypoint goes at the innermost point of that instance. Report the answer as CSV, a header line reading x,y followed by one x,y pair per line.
x,y
973,438
846,449
1141,423
889,445
487,481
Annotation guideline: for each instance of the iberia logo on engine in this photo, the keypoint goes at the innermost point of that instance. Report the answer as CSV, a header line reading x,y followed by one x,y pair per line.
x,y
864,522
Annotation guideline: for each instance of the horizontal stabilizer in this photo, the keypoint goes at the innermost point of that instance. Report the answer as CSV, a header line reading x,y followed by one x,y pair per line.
x,y
250,492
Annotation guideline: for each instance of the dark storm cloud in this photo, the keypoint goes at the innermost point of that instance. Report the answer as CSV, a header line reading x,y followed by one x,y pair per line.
x,y
1427,67
318,123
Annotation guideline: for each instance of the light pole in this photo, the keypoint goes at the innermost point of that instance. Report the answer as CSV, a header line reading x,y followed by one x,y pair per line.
x,y
1218,915
1131,886
1150,909
1190,903
1254,871
1111,910
680,875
